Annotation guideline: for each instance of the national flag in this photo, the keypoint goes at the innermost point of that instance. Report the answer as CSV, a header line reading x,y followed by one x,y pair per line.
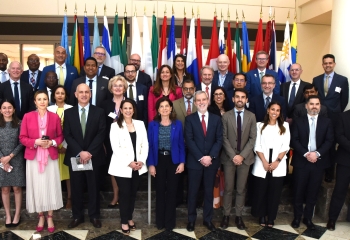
x,y
286,57
147,54
162,58
294,43
267,42
106,42
229,47
258,44
154,47
236,58
191,60
172,48
136,41
199,47
183,47
87,45
96,41
246,49
123,56
64,38
77,57
273,49
221,42
214,48
116,52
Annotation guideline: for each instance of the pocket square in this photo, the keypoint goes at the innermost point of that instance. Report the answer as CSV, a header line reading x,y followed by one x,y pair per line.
x,y
105,77
102,87
71,73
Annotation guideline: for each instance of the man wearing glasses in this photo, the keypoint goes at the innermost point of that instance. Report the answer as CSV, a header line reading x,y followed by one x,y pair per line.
x,y
32,76
254,76
239,81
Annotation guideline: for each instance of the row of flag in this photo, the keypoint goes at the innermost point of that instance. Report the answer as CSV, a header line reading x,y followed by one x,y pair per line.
x,y
161,51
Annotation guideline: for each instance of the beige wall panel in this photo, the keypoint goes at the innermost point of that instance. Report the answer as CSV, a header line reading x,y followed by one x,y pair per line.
x,y
313,9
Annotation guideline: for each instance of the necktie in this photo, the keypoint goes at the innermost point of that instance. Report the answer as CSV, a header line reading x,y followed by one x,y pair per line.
x,y
17,102
292,96
261,75
90,85
131,93
99,70
326,85
312,136
61,79
50,102
204,127
83,121
189,111
239,130
267,102
32,79
207,91
3,77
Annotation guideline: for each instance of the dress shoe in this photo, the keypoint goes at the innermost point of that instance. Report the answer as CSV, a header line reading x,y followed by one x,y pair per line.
x,y
50,229
132,227
210,226
224,222
296,223
270,224
112,205
95,222
8,225
190,226
239,223
262,221
40,228
75,222
309,224
331,225
328,179
16,224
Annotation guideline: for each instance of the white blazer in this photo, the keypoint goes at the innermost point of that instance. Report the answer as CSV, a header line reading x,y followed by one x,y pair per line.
x,y
281,144
123,151
53,109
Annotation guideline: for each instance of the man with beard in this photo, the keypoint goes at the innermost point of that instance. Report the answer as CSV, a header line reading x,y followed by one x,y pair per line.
x,y
32,76
239,81
311,138
4,75
237,155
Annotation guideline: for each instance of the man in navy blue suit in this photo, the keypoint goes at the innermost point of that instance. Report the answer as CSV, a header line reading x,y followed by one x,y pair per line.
x,y
207,74
239,81
66,73
259,103
223,77
33,75
254,76
203,136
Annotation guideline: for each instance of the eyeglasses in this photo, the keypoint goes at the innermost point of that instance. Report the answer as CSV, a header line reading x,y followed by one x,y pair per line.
x,y
261,59
33,61
130,72
218,94
267,83
188,89
118,86
239,80
100,54
135,60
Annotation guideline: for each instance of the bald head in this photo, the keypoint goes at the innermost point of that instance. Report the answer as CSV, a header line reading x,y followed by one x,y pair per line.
x,y
60,55
83,94
295,71
136,60
3,62
223,62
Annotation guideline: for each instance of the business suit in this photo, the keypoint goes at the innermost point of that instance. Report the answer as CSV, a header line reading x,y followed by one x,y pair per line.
x,y
102,92
254,84
142,78
227,83
25,78
248,136
91,142
72,74
257,106
299,96
181,111
27,96
200,145
300,110
307,175
141,102
106,72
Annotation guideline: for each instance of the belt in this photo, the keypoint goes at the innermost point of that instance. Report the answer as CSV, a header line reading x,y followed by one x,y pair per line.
x,y
164,152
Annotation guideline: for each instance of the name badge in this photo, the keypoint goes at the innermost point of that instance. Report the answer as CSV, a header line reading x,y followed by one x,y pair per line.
x,y
338,89
141,98
112,115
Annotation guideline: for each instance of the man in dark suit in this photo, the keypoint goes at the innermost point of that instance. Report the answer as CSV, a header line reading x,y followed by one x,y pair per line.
x,y
51,81
292,91
98,85
32,76
259,103
223,77
137,92
333,90
203,136
84,131
311,138
66,73
254,76
18,91
239,81
4,75
207,74
103,70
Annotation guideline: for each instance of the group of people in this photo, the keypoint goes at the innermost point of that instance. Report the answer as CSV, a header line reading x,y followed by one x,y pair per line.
x,y
124,125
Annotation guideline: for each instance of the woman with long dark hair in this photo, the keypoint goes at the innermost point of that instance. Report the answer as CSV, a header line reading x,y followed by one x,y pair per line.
x,y
180,69
219,101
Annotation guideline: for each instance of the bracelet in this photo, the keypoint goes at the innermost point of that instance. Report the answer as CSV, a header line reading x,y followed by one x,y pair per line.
x,y
279,160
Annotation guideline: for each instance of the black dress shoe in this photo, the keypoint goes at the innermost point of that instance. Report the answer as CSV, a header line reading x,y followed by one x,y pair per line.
x,y
16,224
210,226
331,225
239,223
112,205
95,222
296,223
75,222
190,226
8,225
309,224
224,222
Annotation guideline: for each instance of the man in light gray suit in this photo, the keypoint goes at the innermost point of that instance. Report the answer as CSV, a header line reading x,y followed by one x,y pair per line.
x,y
239,134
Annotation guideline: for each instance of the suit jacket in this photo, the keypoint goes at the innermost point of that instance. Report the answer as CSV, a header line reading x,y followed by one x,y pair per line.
x,y
181,111
72,74
106,72
176,141
199,145
94,134
300,141
25,78
299,97
30,132
141,102
27,96
102,92
300,110
342,137
227,83
334,101
142,78
230,137
253,82
257,103
123,150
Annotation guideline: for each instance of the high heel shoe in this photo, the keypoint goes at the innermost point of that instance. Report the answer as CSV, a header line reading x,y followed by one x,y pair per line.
x,y
132,227
126,232
50,229
40,228
16,224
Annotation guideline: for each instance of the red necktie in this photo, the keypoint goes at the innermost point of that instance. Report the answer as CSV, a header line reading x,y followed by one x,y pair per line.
x,y
189,111
204,127
207,91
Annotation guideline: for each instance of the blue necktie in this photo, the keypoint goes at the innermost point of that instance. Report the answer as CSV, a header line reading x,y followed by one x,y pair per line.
x,y
292,96
17,102
267,102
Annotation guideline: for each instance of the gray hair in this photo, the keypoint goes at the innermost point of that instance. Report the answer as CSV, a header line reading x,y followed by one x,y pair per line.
x,y
207,67
198,93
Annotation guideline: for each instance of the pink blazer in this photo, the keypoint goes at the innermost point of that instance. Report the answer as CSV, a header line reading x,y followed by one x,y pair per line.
x,y
30,132
152,99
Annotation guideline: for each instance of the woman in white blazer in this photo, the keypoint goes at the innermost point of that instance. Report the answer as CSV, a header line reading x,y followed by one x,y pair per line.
x,y
59,97
130,150
269,169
